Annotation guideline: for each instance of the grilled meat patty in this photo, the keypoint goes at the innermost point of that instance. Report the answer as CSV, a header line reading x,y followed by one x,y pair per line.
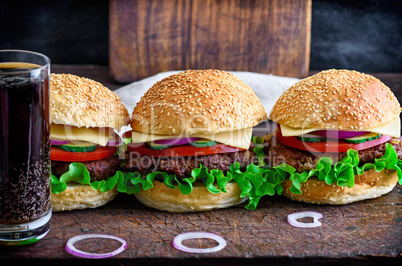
x,y
276,153
182,166
98,170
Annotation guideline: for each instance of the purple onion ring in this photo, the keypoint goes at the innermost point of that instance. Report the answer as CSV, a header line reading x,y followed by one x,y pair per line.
x,y
79,253
177,141
292,219
335,134
177,242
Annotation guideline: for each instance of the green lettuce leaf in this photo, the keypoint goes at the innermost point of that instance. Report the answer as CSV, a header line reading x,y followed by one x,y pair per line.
x,y
342,172
56,185
79,174
208,177
259,150
255,182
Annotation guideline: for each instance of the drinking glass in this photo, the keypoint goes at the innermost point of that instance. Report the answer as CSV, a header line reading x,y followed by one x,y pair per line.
x,y
25,203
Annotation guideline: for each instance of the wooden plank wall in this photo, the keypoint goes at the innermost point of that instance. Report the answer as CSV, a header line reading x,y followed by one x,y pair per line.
x,y
264,36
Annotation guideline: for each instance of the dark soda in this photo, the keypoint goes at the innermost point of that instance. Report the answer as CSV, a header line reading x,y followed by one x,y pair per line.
x,y
24,143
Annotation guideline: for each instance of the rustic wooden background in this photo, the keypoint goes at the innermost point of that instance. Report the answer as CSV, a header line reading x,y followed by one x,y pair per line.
x,y
361,35
265,36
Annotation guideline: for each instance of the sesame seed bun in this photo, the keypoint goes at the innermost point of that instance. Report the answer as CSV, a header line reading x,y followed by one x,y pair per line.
x,y
371,184
191,102
83,102
164,198
77,196
336,99
197,101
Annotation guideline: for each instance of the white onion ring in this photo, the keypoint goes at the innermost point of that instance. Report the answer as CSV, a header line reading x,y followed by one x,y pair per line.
x,y
177,242
292,219
79,253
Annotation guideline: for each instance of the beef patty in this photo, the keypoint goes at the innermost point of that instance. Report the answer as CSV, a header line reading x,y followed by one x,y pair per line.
x,y
276,153
98,170
182,166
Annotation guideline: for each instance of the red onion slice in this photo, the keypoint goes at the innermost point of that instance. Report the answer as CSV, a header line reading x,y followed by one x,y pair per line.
x,y
177,141
335,134
79,253
177,242
292,219
59,142
115,140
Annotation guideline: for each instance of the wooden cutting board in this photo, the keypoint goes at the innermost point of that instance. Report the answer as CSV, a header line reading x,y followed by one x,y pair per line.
x,y
264,36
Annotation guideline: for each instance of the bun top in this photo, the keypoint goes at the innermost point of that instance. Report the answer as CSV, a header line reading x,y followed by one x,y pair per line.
x,y
82,102
197,101
336,99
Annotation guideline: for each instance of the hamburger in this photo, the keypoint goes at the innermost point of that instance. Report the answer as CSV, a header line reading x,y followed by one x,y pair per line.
x,y
84,116
190,146
337,139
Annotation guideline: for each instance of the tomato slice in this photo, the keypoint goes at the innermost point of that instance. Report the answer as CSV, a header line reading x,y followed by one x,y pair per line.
x,y
101,152
180,150
330,145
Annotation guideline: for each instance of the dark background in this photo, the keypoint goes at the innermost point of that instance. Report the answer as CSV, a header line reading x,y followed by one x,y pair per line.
x,y
361,35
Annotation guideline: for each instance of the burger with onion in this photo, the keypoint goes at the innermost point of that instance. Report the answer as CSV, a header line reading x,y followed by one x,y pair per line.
x,y
84,116
337,139
191,147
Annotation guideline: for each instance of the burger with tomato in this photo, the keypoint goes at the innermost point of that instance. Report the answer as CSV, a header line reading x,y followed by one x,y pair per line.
x,y
84,116
337,139
190,146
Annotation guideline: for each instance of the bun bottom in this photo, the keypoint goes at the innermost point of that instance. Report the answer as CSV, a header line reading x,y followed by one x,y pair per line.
x,y
78,196
371,184
164,198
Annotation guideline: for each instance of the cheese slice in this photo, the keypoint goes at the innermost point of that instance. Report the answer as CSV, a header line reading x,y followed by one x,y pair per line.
x,y
237,138
392,129
95,135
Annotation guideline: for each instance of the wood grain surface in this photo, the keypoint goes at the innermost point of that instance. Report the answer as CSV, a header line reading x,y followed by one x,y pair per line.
x,y
367,231
265,36
362,233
